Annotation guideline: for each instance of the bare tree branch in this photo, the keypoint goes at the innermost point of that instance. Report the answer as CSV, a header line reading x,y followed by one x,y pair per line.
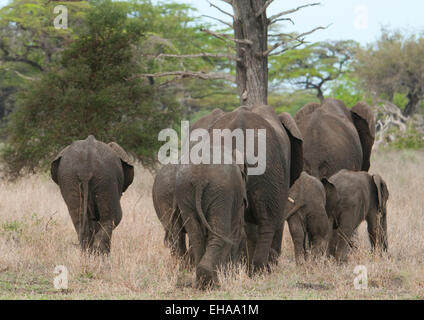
x,y
262,10
284,19
198,55
189,74
218,8
222,21
287,49
22,75
299,38
22,58
224,36
274,18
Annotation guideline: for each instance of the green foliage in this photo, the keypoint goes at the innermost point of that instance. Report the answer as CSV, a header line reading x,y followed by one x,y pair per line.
x,y
94,90
29,43
347,89
314,66
410,139
13,226
394,64
400,100
290,102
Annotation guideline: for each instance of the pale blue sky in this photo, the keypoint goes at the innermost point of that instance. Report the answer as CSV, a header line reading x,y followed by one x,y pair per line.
x,y
359,20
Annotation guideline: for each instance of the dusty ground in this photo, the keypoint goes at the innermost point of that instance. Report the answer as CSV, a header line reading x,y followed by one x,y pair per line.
x,y
36,235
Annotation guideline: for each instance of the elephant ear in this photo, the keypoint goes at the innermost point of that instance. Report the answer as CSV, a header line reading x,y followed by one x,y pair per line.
x,y
364,121
126,164
382,191
306,110
332,199
54,166
296,145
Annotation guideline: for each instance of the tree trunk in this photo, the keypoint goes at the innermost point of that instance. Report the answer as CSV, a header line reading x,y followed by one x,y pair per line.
x,y
252,69
320,95
413,104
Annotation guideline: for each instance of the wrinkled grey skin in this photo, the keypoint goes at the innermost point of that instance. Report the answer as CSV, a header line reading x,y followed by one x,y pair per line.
x,y
212,199
167,210
356,196
164,200
267,193
307,217
335,137
92,176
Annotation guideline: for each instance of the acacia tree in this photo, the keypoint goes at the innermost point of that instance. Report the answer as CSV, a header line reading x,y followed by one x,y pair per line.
x,y
251,46
314,66
394,64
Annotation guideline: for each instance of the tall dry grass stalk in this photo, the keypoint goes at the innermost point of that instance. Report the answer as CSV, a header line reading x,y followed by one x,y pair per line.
x,y
36,234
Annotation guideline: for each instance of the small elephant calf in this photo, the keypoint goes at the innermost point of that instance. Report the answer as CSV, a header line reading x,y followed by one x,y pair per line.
x,y
307,217
357,196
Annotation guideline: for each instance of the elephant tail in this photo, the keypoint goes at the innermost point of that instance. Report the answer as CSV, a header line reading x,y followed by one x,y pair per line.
x,y
198,194
84,228
293,211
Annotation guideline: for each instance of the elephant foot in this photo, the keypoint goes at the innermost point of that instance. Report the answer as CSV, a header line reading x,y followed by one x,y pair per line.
x,y
259,268
273,256
300,260
205,277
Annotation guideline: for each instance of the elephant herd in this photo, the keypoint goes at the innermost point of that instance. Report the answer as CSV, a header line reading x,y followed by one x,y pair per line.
x,y
316,179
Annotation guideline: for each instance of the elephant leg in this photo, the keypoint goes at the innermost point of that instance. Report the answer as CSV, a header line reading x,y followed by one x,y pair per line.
x,y
206,269
266,233
103,237
319,246
298,236
181,245
178,237
84,238
372,230
377,232
109,213
252,237
196,238
275,251
332,243
218,251
344,236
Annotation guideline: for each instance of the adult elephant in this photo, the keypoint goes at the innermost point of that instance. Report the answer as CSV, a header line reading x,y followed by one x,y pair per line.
x,y
335,137
267,192
163,192
92,176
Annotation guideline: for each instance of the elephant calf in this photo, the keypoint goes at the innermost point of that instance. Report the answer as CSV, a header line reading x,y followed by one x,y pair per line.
x,y
167,210
212,199
307,216
358,196
92,176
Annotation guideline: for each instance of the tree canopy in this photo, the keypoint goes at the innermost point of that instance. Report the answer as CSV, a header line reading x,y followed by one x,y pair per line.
x,y
314,66
394,64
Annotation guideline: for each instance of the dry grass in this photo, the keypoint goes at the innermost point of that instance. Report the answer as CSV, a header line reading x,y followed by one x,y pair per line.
x,y
36,234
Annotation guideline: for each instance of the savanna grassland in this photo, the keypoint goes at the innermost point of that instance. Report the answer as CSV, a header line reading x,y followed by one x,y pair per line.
x,y
36,234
